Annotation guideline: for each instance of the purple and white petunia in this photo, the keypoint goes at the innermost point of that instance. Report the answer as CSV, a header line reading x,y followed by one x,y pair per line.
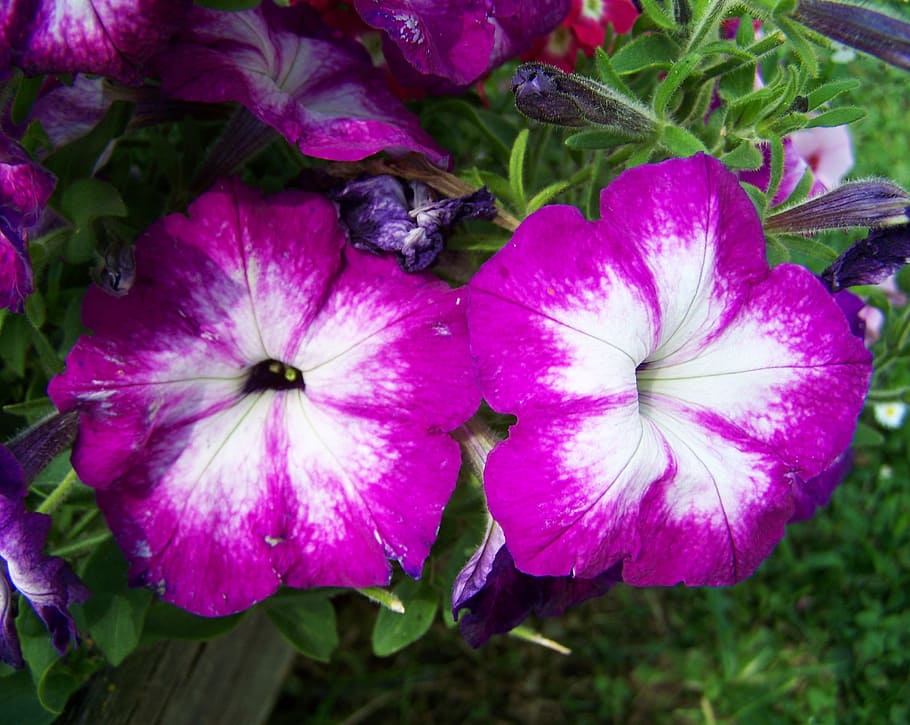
x,y
455,42
112,38
320,92
671,389
47,582
25,188
268,406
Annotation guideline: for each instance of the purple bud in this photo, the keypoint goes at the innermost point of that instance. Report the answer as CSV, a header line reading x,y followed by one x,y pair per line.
x,y
871,32
545,93
37,446
383,214
870,260
874,203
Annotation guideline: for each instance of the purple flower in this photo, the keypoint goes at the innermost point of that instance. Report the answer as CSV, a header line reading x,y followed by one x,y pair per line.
x,y
25,188
321,93
46,582
112,38
454,43
499,597
670,388
267,406
383,214
870,260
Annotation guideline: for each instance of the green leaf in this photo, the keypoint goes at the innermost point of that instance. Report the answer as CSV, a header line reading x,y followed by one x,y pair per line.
x,y
807,246
646,51
728,48
496,184
19,701
307,622
827,91
546,194
837,117
393,632
867,437
744,156
54,683
658,14
47,356
595,139
680,142
35,310
88,199
115,613
517,169
608,73
671,83
165,621
804,49
25,97
77,159
31,410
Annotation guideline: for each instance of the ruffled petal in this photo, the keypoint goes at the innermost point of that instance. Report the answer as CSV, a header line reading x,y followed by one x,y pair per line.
x,y
112,38
321,93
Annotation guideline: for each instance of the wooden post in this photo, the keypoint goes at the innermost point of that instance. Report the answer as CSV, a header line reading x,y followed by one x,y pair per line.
x,y
232,679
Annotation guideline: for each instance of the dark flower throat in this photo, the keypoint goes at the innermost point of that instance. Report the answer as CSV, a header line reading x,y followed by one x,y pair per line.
x,y
273,375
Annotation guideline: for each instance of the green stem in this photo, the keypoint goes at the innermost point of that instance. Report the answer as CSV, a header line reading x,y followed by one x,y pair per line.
x,y
57,496
77,547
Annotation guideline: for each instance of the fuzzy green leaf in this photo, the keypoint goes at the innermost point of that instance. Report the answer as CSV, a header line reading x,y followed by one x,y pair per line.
x,y
827,91
517,168
837,117
744,156
89,199
680,142
646,51
674,79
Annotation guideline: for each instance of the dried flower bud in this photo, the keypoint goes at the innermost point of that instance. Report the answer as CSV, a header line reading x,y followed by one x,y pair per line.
x,y
875,203
545,93
872,32
870,260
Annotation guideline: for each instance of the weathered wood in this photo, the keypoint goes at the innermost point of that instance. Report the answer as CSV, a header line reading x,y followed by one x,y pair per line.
x,y
233,679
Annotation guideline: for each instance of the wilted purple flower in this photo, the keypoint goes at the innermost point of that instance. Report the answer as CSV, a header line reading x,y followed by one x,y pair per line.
x,y
499,597
671,389
46,582
321,93
268,406
453,42
383,214
858,27
545,93
870,260
25,188
112,38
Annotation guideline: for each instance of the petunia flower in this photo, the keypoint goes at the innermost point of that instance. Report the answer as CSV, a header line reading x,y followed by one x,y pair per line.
x,y
498,597
585,30
25,188
670,388
46,582
268,406
451,44
320,92
828,152
112,38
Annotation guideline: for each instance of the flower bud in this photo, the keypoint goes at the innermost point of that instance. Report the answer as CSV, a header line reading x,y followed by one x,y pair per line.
x,y
872,32
37,446
874,203
544,93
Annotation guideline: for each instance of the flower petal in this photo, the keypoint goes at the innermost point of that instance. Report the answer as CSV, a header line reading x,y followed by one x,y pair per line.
x,y
320,93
